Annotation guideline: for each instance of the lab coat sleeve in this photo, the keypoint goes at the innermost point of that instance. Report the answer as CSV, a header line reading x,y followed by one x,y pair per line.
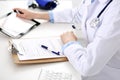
x,y
91,60
67,15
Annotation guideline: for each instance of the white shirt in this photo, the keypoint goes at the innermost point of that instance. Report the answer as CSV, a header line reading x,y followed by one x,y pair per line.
x,y
100,60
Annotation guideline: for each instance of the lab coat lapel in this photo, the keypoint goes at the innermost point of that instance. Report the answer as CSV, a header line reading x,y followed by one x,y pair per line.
x,y
87,8
83,26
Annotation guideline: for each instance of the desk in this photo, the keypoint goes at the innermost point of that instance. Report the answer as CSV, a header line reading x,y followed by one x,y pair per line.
x,y
11,71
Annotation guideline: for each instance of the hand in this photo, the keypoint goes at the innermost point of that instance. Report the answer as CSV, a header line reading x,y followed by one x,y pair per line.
x,y
68,36
25,13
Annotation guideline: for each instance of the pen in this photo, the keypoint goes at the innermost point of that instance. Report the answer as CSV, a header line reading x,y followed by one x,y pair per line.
x,y
37,23
73,26
46,48
5,15
17,11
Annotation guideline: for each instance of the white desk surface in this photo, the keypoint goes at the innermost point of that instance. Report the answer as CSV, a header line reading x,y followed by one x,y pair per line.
x,y
11,71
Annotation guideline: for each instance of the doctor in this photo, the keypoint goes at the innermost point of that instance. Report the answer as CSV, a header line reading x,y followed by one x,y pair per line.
x,y
100,20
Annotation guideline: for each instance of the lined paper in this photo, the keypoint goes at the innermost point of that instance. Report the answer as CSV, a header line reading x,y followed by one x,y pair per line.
x,y
31,48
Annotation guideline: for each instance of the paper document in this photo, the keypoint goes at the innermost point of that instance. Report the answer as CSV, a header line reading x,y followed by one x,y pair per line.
x,y
14,26
54,75
31,48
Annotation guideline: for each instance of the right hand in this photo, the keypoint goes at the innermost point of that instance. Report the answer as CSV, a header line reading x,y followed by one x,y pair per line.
x,y
26,14
67,37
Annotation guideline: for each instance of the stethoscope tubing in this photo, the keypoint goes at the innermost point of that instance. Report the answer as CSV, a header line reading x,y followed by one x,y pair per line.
x,y
104,9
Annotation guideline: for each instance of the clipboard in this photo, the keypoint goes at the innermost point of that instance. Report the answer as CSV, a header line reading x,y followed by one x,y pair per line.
x,y
20,34
16,60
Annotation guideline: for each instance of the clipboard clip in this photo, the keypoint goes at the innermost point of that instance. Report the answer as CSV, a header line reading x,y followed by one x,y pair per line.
x,y
12,49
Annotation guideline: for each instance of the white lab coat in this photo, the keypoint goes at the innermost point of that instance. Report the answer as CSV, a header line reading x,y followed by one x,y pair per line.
x,y
100,60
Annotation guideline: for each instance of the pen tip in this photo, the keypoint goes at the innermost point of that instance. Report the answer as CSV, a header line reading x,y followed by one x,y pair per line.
x,y
73,26
43,46
58,53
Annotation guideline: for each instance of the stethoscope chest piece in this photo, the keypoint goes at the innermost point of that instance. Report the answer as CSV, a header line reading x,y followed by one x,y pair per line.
x,y
95,23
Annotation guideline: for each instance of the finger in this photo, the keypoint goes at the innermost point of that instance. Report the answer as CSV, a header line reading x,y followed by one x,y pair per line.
x,y
16,9
19,15
62,35
19,10
71,32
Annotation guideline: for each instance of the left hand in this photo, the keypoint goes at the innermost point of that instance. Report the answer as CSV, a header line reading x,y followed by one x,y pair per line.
x,y
25,13
68,36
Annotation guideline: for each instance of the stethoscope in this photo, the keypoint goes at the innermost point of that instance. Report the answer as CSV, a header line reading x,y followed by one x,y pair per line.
x,y
96,21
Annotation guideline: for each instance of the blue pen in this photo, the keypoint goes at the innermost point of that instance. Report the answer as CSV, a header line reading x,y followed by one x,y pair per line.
x,y
45,47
